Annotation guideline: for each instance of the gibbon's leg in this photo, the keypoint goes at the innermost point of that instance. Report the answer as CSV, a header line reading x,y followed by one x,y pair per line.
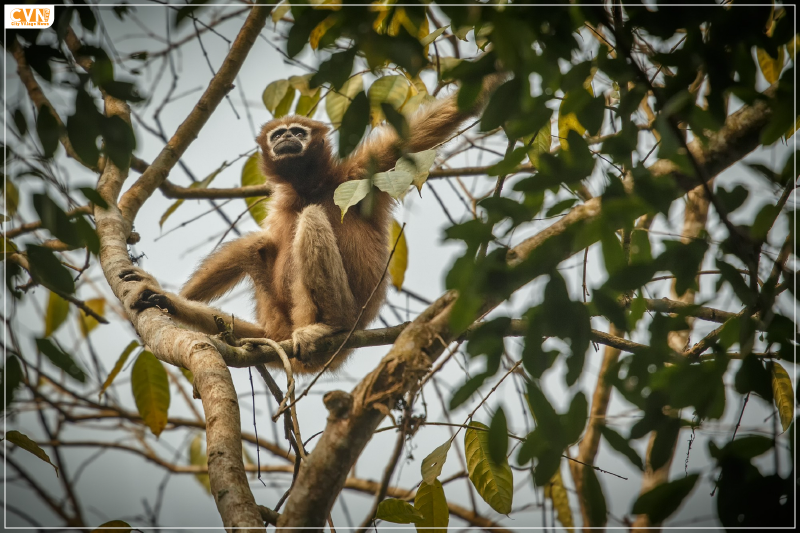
x,y
322,302
215,276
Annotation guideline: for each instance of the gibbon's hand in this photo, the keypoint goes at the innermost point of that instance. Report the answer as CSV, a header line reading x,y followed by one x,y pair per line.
x,y
149,296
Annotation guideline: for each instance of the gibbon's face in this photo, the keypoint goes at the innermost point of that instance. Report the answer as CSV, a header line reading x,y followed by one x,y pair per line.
x,y
288,140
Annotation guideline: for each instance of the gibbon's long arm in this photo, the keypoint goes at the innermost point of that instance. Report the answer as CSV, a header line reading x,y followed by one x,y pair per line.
x,y
222,270
430,126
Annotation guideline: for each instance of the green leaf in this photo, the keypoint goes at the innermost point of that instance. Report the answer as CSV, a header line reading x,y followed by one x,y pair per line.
x,y
663,500
620,444
394,182
432,504
123,357
337,102
150,387
274,94
494,481
391,90
252,175
285,105
498,437
354,124
595,500
55,220
398,512
93,196
350,193
20,122
198,457
60,359
432,465
428,39
575,418
12,196
418,165
57,310
12,378
22,440
48,129
47,270
782,394
307,105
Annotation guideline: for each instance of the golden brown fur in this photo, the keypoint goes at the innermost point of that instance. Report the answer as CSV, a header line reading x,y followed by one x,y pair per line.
x,y
311,273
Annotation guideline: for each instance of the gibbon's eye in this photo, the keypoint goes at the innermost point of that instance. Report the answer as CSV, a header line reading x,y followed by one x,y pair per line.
x,y
300,133
277,133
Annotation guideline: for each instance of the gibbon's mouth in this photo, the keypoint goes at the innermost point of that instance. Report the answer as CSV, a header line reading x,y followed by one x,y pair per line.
x,y
288,147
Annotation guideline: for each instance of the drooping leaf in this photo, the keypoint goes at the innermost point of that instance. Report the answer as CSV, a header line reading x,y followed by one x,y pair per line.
x,y
398,512
493,481
557,494
113,526
354,123
88,323
350,193
12,378
620,444
430,501
285,105
399,260
48,129
47,270
123,357
418,165
24,442
252,175
782,394
57,310
432,465
11,195
392,90
337,102
595,500
150,387
274,94
394,182
198,457
770,67
62,360
538,144
498,437
663,500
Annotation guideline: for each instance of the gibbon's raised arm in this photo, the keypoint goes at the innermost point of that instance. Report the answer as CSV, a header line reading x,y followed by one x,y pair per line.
x,y
431,125
222,270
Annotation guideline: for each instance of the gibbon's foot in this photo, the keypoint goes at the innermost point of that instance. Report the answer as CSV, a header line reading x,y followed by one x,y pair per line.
x,y
305,340
149,298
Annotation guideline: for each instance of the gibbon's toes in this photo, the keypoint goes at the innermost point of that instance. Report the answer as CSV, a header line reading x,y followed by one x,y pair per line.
x,y
130,275
149,298
304,345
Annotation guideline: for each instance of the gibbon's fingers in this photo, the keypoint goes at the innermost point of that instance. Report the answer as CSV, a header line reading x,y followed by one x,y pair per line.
x,y
149,298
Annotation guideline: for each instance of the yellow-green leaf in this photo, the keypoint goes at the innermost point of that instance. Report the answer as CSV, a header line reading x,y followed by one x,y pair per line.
x,y
399,261
279,11
12,196
307,105
397,512
394,182
22,440
188,375
538,144
418,165
285,104
114,526
336,103
770,67
301,84
274,93
320,30
783,394
558,495
8,247
123,357
428,39
198,457
57,311
252,175
350,193
432,465
432,504
392,90
88,323
150,387
792,46
494,482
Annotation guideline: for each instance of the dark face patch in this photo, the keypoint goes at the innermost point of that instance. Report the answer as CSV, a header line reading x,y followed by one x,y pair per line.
x,y
290,146
289,141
